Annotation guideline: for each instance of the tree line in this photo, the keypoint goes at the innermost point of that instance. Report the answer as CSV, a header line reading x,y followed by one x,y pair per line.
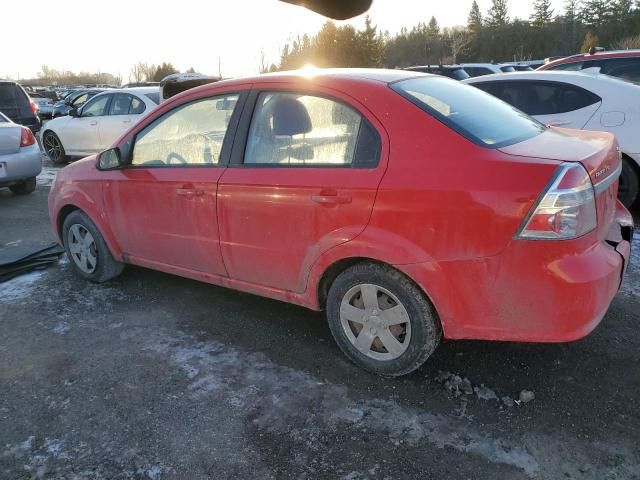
x,y
487,36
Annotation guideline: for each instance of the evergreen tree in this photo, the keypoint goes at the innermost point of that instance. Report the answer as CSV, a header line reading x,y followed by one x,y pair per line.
x,y
498,14
370,44
433,28
621,9
596,12
474,21
542,12
571,11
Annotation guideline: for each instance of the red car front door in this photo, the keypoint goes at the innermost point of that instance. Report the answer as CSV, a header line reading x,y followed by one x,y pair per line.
x,y
302,179
162,207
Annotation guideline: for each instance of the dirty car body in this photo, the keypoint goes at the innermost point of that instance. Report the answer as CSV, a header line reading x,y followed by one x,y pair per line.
x,y
385,197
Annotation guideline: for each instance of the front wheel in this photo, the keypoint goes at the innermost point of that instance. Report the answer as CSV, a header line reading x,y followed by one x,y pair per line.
x,y
629,184
54,149
381,320
87,250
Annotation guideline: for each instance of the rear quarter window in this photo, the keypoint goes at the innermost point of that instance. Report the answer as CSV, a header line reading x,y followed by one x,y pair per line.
x,y
474,114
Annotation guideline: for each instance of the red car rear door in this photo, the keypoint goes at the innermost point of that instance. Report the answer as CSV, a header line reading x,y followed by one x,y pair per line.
x,y
162,207
303,177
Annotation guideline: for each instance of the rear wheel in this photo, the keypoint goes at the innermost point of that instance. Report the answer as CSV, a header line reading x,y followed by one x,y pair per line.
x,y
53,147
381,320
87,250
24,188
629,184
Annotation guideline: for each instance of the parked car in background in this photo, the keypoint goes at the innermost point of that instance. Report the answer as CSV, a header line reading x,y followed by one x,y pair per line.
x,y
20,158
45,105
74,99
16,104
480,69
585,101
97,123
455,72
177,83
618,63
410,207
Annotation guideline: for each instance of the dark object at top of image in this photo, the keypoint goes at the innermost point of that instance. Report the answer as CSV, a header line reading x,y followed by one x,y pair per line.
x,y
336,9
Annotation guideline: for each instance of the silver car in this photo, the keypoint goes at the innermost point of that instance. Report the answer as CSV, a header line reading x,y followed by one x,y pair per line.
x,y
20,158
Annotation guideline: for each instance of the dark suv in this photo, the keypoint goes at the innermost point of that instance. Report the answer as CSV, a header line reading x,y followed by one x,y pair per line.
x,y
457,72
16,104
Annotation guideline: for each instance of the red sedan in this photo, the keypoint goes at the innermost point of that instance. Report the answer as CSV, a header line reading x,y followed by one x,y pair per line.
x,y
410,207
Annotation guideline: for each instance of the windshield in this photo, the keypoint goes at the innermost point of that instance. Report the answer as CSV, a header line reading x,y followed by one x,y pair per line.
x,y
478,116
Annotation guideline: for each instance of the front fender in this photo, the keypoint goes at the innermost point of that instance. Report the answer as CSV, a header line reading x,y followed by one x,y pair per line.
x,y
69,195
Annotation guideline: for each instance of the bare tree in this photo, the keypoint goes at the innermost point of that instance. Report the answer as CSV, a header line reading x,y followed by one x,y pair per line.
x,y
136,74
460,41
629,43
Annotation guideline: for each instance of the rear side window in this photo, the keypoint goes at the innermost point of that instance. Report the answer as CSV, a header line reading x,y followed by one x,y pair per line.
x,y
137,106
541,98
474,114
508,69
478,71
625,68
120,105
295,129
573,66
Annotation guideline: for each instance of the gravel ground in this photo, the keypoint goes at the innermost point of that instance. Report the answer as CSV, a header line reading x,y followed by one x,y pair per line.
x,y
157,377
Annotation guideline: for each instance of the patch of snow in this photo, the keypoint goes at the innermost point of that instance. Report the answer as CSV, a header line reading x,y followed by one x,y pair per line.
x,y
631,282
278,399
14,243
47,176
61,328
20,287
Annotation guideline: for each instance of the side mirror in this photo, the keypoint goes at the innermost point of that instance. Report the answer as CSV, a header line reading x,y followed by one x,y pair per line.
x,y
110,159
74,112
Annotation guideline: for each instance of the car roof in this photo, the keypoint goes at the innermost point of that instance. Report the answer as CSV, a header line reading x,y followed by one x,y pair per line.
x,y
589,56
321,75
580,77
136,90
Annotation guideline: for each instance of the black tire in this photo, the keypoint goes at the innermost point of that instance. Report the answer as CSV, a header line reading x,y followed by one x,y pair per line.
x,y
24,188
425,330
54,148
629,184
106,266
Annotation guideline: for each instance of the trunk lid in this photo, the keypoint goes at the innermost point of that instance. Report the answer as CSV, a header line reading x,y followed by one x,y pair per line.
x,y
596,151
10,135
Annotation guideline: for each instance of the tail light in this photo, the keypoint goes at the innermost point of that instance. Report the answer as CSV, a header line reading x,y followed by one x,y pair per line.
x,y
26,138
566,210
34,106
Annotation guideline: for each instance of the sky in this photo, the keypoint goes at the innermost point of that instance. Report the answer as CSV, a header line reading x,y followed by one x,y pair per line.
x,y
233,34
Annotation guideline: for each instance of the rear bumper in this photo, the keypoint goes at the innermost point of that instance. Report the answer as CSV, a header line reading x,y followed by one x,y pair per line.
x,y
534,291
19,166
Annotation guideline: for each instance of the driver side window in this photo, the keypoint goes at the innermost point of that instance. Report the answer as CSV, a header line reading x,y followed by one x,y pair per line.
x,y
192,134
95,107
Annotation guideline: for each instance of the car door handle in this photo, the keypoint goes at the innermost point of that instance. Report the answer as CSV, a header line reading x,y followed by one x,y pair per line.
x,y
128,120
93,123
189,192
331,198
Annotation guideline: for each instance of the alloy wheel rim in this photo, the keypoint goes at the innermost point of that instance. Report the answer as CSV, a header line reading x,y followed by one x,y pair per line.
x,y
53,147
82,248
375,322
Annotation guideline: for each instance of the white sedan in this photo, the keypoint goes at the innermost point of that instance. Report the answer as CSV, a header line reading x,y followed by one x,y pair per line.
x,y
585,100
98,123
